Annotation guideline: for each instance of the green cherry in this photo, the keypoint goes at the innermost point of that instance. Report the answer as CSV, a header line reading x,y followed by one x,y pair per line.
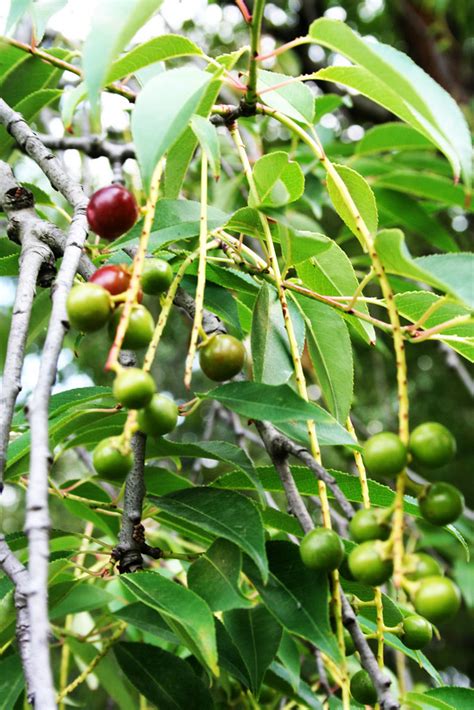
x,y
156,277
419,565
384,455
437,599
441,503
139,330
417,632
366,525
159,416
368,564
432,445
110,461
88,307
222,357
362,688
133,388
322,550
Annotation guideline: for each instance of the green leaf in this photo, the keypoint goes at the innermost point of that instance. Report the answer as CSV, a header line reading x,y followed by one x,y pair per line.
x,y
217,450
163,678
80,597
162,112
279,678
41,12
9,265
331,273
180,155
186,613
146,619
295,100
299,245
289,655
327,104
11,681
278,404
296,596
206,133
421,701
222,514
447,272
29,107
393,80
362,196
158,49
331,354
214,576
18,8
412,305
398,210
174,221
256,635
114,23
392,136
271,355
424,185
278,180
459,698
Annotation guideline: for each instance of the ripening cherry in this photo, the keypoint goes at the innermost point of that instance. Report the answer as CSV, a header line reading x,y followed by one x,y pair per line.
x,y
112,211
159,416
115,278
109,459
222,357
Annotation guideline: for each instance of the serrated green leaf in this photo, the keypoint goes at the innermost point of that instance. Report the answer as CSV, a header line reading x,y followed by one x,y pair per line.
x,y
278,180
113,25
296,596
298,245
11,681
459,698
186,613
362,196
163,678
162,112
392,136
158,49
271,357
331,273
424,185
221,514
331,354
447,272
392,79
295,99
256,635
289,655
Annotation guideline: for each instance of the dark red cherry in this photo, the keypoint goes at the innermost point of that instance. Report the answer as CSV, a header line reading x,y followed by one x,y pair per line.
x,y
115,278
112,211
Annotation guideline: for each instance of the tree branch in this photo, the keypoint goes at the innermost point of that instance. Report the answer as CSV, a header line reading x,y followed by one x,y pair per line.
x,y
18,575
37,522
93,146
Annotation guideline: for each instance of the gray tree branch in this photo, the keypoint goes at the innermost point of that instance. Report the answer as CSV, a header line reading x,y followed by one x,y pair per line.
x,y
37,521
93,146
18,575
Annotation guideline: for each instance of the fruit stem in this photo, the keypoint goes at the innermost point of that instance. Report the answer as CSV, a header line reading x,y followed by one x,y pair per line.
x,y
303,392
167,305
360,466
137,268
201,277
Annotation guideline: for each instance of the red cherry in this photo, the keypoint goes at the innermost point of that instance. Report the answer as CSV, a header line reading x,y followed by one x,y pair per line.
x,y
112,211
114,278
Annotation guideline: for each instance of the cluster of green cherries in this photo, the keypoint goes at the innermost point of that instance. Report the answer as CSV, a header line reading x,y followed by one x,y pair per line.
x,y
435,598
91,305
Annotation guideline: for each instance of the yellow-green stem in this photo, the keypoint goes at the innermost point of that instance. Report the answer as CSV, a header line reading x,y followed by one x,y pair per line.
x,y
167,305
303,392
137,267
201,278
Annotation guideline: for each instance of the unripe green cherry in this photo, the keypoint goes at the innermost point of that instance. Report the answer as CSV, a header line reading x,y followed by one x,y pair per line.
x,y
441,503
417,632
437,599
366,525
362,688
384,454
134,388
432,445
139,330
159,416
110,461
88,307
419,565
321,549
222,357
156,277
368,564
